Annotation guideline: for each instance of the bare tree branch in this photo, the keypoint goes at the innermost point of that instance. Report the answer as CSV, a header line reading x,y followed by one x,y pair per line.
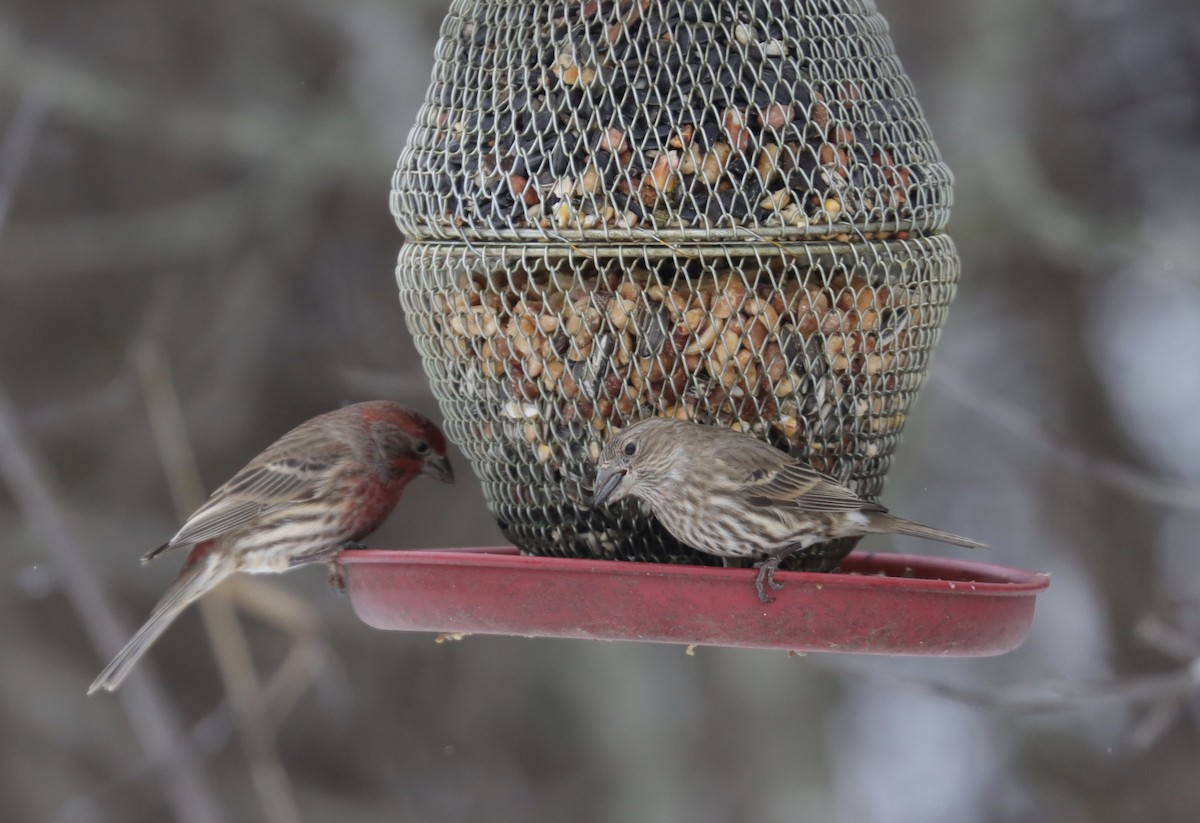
x,y
316,141
202,227
1023,425
17,148
275,794
150,714
208,736
142,698
1045,697
111,398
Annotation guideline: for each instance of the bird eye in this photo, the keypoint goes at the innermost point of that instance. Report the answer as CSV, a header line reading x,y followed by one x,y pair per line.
x,y
422,447
630,448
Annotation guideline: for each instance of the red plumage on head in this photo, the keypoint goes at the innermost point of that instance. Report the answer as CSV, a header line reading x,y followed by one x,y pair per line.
x,y
413,422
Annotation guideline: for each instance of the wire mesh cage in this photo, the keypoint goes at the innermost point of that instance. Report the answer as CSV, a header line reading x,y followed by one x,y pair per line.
x,y
727,211
537,352
722,120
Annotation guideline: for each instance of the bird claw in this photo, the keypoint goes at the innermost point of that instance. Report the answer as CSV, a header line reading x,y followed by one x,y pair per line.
x,y
337,578
766,573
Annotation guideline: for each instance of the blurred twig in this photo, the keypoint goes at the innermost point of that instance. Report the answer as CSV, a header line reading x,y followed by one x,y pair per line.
x,y
258,708
200,227
1050,697
1025,426
311,144
166,424
206,737
293,153
150,714
17,148
1170,640
1055,225
1161,697
275,794
114,397
142,698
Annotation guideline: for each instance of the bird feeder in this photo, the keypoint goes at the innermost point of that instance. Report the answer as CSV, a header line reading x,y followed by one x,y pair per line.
x,y
728,212
879,604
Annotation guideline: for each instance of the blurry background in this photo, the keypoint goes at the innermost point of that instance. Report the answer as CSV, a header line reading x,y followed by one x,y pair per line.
x,y
193,203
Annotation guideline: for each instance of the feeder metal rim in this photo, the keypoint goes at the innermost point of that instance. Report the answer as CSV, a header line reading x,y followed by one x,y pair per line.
x,y
1017,582
421,230
878,249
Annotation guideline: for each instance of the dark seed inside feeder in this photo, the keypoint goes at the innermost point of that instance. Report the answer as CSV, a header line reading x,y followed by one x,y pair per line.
x,y
689,117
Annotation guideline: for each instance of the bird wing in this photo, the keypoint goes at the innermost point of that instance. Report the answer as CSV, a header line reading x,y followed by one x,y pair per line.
x,y
248,494
257,489
777,479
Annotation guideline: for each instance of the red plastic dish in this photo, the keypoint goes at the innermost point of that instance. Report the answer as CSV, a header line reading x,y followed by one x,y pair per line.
x,y
882,604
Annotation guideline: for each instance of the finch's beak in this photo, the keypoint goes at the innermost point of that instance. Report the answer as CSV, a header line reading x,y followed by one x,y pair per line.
x,y
608,486
437,466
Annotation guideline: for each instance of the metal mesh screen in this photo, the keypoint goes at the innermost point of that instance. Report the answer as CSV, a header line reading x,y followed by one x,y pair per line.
x,y
721,210
617,120
537,351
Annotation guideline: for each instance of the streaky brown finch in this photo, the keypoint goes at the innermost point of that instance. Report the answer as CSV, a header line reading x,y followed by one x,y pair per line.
x,y
732,495
322,487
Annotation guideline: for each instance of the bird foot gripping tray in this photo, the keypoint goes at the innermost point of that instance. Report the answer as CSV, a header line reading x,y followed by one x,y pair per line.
x,y
881,604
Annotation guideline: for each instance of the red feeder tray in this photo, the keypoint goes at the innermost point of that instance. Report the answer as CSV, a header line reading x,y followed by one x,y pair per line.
x,y
880,604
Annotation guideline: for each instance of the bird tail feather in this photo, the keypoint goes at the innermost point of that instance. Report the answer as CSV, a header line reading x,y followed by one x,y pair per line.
x,y
193,582
883,523
153,553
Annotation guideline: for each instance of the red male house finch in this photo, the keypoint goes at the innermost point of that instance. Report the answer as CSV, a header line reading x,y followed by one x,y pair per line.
x,y
734,496
323,486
